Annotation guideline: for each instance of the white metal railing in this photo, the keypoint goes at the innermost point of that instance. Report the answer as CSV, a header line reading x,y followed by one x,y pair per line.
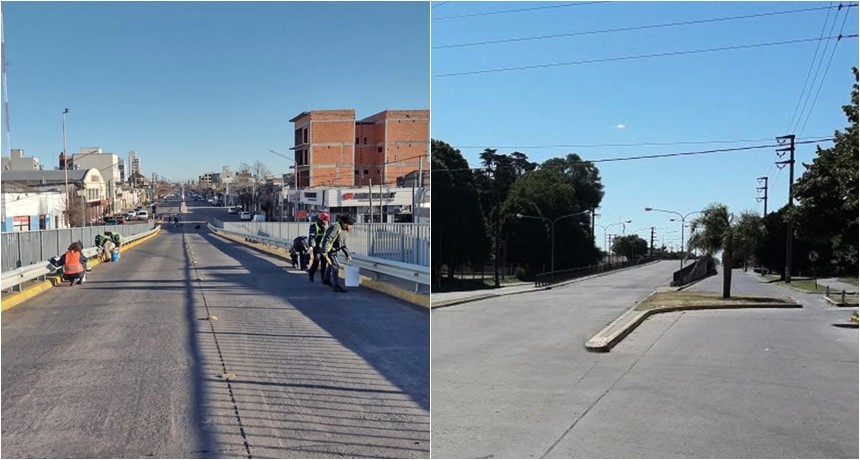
x,y
15,278
418,274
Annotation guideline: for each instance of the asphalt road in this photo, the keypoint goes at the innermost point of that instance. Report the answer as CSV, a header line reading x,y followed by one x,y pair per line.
x,y
511,377
127,365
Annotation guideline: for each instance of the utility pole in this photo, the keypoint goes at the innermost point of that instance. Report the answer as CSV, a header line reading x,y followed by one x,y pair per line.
x,y
652,241
786,144
762,189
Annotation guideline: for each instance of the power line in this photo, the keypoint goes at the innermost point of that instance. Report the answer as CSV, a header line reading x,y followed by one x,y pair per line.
x,y
632,28
438,4
639,144
809,72
520,10
669,155
641,56
823,77
815,76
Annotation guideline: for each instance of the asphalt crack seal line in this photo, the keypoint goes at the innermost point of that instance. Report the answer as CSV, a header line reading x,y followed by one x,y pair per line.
x,y
225,375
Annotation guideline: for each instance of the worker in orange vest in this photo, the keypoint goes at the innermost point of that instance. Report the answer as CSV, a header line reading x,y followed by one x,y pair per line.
x,y
73,262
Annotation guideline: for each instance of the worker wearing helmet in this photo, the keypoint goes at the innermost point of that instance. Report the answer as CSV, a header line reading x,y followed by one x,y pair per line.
x,y
333,243
315,236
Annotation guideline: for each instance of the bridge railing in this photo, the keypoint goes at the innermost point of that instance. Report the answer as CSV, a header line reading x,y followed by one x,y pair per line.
x,y
418,274
13,278
20,249
407,243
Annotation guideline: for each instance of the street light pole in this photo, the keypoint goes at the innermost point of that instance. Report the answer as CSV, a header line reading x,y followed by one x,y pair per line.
x,y
298,183
552,232
606,229
683,221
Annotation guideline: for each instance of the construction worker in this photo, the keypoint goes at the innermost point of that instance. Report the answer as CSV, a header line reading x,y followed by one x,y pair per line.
x,y
73,263
334,242
315,236
117,239
299,252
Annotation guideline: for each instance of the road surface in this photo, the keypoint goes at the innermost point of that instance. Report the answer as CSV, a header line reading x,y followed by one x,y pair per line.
x,y
127,365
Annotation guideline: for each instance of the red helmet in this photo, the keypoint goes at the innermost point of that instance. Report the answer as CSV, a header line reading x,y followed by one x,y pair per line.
x,y
324,216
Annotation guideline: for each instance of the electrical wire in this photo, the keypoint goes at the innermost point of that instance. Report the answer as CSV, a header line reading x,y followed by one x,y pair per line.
x,y
823,77
639,144
815,75
809,71
670,155
633,28
519,10
438,4
641,56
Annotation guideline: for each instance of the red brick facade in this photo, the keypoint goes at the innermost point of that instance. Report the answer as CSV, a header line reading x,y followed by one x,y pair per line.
x,y
332,149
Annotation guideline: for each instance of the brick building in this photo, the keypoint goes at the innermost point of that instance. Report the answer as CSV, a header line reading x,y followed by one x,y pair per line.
x,y
332,149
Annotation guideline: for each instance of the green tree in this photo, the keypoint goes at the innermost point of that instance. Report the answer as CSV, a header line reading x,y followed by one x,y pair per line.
x,y
631,246
461,236
827,194
718,230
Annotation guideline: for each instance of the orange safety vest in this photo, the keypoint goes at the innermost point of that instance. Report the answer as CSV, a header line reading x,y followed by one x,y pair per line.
x,y
73,263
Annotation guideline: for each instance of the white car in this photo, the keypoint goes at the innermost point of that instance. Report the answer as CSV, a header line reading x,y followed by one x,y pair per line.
x,y
142,215
231,210
245,215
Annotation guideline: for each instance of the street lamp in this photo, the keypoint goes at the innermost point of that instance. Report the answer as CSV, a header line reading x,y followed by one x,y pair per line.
x,y
606,228
295,167
552,232
683,219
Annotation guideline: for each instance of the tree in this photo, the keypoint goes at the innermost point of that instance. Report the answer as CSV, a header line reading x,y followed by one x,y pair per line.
x,y
827,194
718,230
631,246
583,176
461,236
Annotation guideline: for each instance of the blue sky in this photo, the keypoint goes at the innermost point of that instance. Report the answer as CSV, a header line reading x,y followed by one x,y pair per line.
x,y
747,94
194,86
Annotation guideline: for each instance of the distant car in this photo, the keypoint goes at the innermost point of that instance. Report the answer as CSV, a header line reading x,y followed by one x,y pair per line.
x,y
121,219
245,215
259,218
111,222
142,215
211,201
231,210
129,215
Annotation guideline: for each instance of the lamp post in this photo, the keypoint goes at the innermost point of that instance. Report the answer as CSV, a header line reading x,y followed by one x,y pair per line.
x,y
295,167
606,229
683,220
552,232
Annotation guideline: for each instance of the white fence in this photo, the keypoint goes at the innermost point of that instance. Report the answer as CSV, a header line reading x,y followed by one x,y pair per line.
x,y
407,243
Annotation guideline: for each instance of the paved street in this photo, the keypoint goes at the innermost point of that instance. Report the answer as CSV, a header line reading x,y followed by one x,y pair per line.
x,y
126,365
512,379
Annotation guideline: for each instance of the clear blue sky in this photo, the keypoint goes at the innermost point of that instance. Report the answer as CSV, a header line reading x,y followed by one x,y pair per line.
x,y
194,86
745,94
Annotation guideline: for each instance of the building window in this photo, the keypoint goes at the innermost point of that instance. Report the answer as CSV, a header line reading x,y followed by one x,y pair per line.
x,y
356,140
356,172
305,135
379,149
365,140
366,172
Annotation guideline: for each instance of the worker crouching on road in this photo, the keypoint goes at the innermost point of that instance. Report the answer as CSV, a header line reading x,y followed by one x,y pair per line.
x,y
299,254
315,238
334,242
73,263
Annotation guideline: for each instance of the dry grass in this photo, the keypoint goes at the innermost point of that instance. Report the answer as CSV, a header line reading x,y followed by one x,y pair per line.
x,y
692,299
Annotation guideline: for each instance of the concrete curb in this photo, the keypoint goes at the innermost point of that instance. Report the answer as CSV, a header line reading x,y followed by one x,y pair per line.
x,y
364,281
451,303
14,299
613,333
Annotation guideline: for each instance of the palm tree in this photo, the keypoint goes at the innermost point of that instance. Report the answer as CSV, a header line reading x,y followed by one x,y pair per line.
x,y
718,230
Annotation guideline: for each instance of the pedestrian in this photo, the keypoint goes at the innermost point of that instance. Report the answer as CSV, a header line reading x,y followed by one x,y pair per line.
x,y
315,237
175,221
299,252
334,242
73,263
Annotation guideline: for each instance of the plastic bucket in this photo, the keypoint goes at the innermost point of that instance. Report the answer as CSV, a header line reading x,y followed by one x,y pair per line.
x,y
114,256
350,276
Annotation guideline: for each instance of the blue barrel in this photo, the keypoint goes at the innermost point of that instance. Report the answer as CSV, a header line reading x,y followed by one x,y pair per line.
x,y
114,256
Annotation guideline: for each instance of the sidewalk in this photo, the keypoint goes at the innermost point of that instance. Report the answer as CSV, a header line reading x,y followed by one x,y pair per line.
x,y
837,285
445,299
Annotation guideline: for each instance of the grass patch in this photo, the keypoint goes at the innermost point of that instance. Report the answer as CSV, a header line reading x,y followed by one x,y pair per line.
x,y
692,299
851,281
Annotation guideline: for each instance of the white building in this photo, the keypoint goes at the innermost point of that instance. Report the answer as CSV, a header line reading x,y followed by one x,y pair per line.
x,y
134,164
24,208
109,166
391,204
91,186
17,162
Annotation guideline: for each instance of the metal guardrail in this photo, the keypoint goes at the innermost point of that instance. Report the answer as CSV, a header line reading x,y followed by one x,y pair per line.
x,y
39,270
418,274
558,276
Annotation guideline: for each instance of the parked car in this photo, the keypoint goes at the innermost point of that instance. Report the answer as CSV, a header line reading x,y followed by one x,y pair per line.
x,y
143,215
259,218
245,215
231,210
111,222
